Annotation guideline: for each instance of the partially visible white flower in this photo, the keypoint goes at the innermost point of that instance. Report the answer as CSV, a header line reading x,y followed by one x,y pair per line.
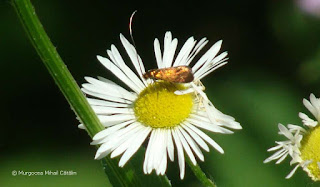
x,y
303,146
170,114
314,107
311,7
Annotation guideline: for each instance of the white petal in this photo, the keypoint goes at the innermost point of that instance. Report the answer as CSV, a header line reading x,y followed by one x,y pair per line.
x,y
205,137
109,120
209,126
81,126
208,56
126,143
211,69
282,158
117,72
292,172
102,95
111,89
101,152
163,164
115,139
186,147
170,54
129,73
285,131
196,137
153,150
192,144
196,50
166,48
170,147
160,144
275,148
162,152
184,52
309,106
133,56
180,154
111,110
146,162
139,139
157,52
98,102
102,134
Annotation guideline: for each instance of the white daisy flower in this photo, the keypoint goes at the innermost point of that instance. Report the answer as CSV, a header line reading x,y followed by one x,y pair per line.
x,y
173,115
303,145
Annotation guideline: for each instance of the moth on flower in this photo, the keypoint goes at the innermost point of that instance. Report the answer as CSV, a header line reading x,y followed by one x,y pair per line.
x,y
157,108
179,74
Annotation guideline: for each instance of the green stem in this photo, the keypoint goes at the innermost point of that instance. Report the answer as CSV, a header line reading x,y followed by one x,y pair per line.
x,y
200,174
118,176
56,67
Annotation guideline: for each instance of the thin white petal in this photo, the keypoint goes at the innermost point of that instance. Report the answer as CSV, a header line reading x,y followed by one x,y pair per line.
x,y
98,102
109,120
102,134
180,154
153,150
282,158
184,52
166,48
117,72
157,52
292,172
205,137
106,97
285,131
186,147
111,88
216,66
139,139
309,106
196,50
196,137
209,126
146,162
192,144
118,150
275,148
208,56
170,146
81,126
119,61
133,56
170,54
112,110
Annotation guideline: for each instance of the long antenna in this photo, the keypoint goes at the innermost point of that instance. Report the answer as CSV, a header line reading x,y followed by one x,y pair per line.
x,y
134,44
130,27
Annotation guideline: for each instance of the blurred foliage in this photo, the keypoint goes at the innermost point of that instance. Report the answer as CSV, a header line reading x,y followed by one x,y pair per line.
x,y
274,63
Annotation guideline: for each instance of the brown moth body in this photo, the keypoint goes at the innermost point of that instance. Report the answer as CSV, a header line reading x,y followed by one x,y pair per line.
x,y
178,74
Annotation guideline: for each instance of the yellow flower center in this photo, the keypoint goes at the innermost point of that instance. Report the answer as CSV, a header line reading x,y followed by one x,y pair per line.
x,y
310,150
157,106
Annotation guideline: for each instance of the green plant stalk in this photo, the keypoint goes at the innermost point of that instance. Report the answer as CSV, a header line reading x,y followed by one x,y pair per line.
x,y
68,86
200,174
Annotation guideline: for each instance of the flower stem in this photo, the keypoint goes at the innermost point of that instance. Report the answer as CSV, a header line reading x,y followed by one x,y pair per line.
x,y
201,176
118,176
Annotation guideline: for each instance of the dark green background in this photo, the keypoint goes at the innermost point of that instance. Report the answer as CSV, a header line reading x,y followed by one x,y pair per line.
x,y
274,51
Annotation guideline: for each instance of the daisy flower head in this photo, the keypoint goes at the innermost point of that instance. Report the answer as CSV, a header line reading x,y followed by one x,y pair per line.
x,y
169,115
303,144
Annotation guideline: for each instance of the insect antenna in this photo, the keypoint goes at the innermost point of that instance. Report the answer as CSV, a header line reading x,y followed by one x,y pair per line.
x,y
133,42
